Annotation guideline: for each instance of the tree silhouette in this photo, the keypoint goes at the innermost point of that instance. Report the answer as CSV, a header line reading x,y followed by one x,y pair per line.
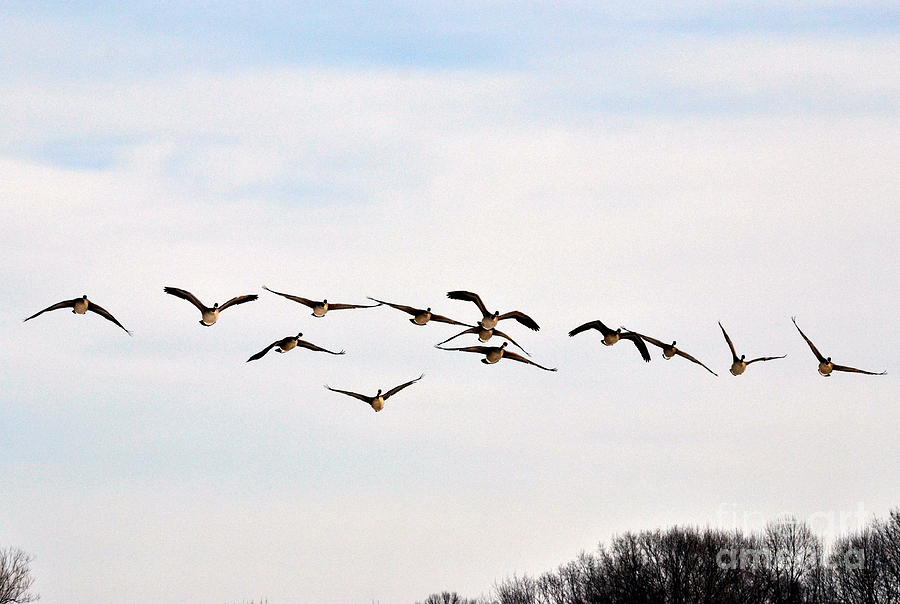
x,y
15,577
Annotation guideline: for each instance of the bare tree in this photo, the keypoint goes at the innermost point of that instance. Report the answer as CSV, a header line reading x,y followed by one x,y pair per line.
x,y
447,597
15,577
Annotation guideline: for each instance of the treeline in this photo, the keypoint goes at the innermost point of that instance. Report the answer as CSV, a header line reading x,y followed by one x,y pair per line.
x,y
783,564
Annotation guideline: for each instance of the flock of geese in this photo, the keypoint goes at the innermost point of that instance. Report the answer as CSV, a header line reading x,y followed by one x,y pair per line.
x,y
484,329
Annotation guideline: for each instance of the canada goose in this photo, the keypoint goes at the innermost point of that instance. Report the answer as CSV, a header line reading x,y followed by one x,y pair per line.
x,y
320,308
484,335
289,343
489,320
80,306
377,401
670,350
610,336
825,364
493,354
420,316
739,365
210,315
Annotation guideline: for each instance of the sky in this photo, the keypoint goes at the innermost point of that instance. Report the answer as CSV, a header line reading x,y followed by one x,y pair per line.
x,y
662,167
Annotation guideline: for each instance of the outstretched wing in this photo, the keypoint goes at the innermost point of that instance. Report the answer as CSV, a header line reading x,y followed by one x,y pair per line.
x,y
471,297
346,306
185,295
58,305
650,340
598,325
682,353
478,349
397,389
407,309
808,341
105,314
497,332
366,399
766,359
239,300
443,319
521,318
517,357
312,346
853,370
263,352
638,342
462,333
304,301
734,355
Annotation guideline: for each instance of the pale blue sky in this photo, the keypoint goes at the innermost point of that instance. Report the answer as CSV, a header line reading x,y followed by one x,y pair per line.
x,y
663,167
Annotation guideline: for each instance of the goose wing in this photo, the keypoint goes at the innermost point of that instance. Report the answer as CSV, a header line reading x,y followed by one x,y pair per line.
x,y
362,397
682,353
517,357
497,332
598,325
478,349
766,359
443,319
471,297
346,306
521,318
263,352
734,355
186,295
638,342
462,333
304,301
854,370
808,341
58,305
105,314
311,346
239,300
650,340
397,389
407,309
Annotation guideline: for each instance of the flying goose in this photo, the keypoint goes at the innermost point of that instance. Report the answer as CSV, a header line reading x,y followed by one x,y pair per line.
x,y
493,354
377,401
289,343
739,365
320,308
825,364
420,316
80,306
670,350
209,315
610,336
484,335
489,319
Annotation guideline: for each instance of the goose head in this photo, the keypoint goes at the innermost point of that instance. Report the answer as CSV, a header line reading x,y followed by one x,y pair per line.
x,y
742,358
377,394
673,343
428,309
299,335
216,305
